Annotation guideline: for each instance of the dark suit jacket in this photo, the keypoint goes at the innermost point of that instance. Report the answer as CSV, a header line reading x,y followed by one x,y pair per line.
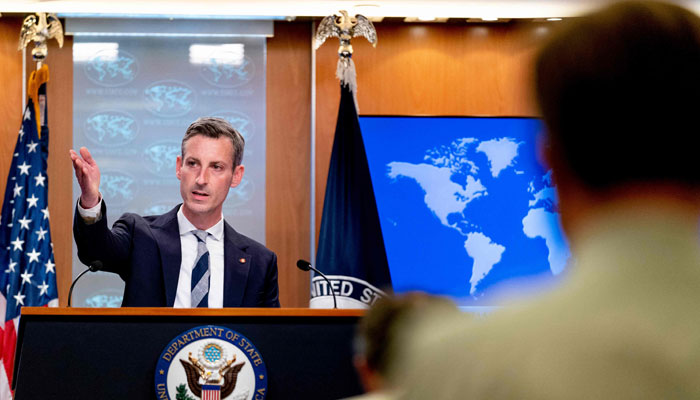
x,y
145,252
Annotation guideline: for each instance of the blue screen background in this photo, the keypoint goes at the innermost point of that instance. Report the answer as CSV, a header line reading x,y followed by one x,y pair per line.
x,y
429,254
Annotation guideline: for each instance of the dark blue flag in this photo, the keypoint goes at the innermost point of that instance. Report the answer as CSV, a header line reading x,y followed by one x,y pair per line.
x,y
27,269
351,247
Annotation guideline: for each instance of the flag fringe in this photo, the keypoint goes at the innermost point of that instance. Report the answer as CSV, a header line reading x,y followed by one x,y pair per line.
x,y
347,75
36,79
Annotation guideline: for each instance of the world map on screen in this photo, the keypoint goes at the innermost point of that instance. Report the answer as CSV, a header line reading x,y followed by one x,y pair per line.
x,y
463,203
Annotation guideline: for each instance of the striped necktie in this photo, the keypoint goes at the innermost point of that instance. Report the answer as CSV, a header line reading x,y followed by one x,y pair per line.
x,y
200,272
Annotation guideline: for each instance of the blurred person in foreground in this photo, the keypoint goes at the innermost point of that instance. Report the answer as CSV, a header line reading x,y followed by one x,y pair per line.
x,y
619,91
379,340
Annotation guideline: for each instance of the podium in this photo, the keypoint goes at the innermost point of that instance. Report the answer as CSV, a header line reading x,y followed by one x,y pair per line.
x,y
101,353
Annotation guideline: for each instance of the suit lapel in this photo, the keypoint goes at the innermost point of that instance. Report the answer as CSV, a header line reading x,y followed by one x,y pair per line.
x,y
167,235
236,268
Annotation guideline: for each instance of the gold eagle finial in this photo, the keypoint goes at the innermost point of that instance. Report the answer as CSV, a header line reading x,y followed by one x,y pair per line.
x,y
39,29
345,27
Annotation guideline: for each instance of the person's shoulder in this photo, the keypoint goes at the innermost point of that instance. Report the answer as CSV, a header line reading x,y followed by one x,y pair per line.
x,y
134,218
130,216
244,242
167,216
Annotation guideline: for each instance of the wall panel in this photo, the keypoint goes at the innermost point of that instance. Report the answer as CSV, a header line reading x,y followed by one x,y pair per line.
x,y
11,101
288,156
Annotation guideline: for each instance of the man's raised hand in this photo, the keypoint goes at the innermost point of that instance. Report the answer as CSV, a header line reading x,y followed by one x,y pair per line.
x,y
88,174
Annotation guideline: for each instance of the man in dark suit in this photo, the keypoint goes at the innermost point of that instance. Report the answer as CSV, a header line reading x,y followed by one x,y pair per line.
x,y
188,257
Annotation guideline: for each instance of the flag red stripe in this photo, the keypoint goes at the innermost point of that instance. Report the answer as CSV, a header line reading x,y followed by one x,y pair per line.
x,y
9,341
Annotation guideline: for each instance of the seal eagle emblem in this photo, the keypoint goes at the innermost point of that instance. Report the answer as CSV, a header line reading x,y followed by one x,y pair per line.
x,y
213,363
223,379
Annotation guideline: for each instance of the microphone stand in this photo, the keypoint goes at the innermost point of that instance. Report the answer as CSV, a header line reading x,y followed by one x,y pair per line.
x,y
306,266
93,267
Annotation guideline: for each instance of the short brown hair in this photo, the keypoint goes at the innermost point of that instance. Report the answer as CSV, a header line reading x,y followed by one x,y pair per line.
x,y
619,90
215,128
380,333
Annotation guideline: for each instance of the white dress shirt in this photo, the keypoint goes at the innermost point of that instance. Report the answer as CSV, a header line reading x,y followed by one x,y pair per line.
x,y
188,247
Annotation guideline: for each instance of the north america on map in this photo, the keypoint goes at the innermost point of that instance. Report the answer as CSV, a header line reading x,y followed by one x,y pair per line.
x,y
479,190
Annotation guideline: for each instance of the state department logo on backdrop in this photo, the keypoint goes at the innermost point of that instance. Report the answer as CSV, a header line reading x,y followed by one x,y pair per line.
x,y
108,297
211,362
241,194
160,158
169,98
111,128
111,68
228,70
243,124
117,187
159,208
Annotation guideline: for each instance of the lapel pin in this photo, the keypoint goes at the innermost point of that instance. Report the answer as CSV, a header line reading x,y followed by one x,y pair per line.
x,y
241,260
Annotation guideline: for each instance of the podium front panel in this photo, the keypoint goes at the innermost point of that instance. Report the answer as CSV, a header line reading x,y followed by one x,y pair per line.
x,y
108,354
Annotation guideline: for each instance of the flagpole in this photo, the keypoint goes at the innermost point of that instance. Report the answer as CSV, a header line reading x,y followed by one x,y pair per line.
x,y
312,177
24,79
351,257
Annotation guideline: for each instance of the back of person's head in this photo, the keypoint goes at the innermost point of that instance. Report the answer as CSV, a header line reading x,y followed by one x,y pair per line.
x,y
619,91
380,333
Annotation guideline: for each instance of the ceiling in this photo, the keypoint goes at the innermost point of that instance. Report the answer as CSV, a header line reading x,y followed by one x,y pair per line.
x,y
286,9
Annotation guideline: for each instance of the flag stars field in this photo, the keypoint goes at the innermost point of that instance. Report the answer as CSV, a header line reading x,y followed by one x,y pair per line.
x,y
32,147
32,201
41,233
50,267
11,267
34,256
19,299
24,222
17,244
24,168
26,277
39,180
43,288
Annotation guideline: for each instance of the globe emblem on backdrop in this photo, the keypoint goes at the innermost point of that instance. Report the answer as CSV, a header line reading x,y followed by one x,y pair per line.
x,y
117,187
159,208
502,214
111,68
111,128
109,297
242,122
160,158
169,98
240,195
227,70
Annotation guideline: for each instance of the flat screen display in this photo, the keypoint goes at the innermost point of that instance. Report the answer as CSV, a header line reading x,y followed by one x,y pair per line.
x,y
466,208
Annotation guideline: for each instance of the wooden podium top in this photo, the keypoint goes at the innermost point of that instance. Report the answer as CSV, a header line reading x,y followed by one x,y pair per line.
x,y
214,312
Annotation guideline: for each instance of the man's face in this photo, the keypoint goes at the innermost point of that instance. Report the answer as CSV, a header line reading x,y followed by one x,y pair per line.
x,y
205,175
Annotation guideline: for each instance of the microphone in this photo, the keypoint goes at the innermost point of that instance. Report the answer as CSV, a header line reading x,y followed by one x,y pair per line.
x,y
306,266
93,267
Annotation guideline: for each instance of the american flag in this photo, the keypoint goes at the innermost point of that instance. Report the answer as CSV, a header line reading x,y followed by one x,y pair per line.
x,y
27,269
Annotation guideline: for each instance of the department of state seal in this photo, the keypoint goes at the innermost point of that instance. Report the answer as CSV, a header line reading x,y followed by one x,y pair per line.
x,y
211,363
